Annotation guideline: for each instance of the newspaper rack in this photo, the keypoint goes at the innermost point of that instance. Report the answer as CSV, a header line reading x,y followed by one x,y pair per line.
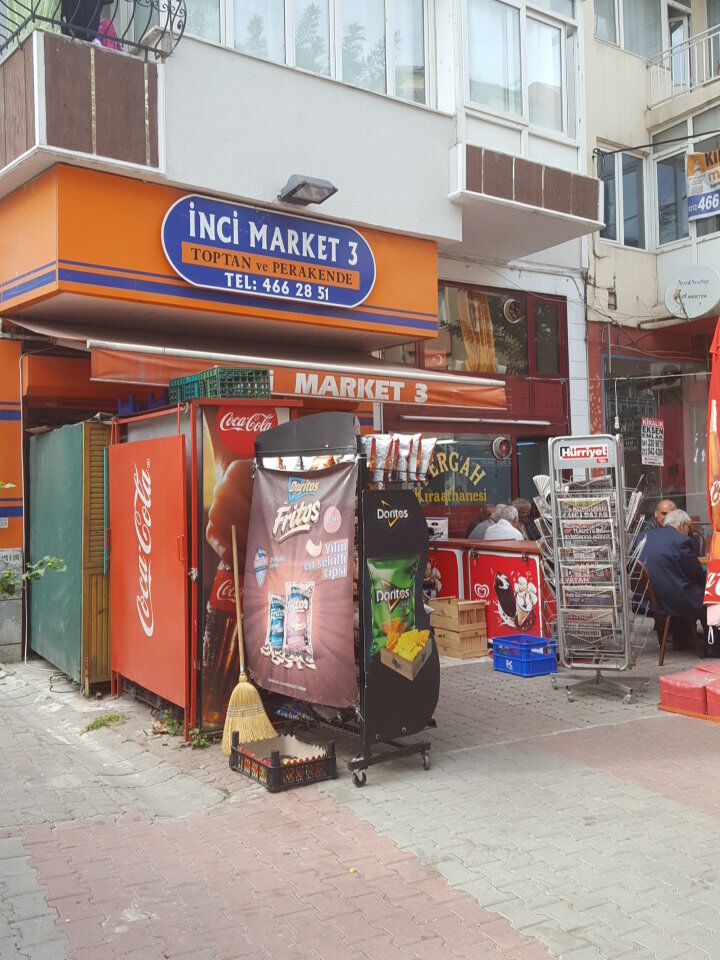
x,y
591,544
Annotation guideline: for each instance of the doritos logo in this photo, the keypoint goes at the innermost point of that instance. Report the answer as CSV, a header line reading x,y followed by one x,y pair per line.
x,y
299,487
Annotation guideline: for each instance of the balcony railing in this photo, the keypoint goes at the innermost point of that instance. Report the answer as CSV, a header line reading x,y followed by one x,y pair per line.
x,y
145,27
684,67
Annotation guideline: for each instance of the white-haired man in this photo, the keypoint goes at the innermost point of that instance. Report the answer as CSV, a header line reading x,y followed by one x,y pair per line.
x,y
675,573
506,525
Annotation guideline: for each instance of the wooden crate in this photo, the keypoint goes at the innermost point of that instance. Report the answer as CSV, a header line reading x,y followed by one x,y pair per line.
x,y
460,628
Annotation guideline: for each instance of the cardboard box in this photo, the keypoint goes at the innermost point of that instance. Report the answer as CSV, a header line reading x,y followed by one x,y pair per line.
x,y
407,668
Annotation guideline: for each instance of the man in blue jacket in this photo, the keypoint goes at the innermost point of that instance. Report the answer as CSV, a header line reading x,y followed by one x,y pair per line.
x,y
676,575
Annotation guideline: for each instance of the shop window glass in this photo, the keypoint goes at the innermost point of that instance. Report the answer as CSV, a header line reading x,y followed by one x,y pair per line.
x,y
544,68
409,43
672,198
676,393
547,354
642,27
466,476
494,55
480,332
260,28
363,45
605,23
312,36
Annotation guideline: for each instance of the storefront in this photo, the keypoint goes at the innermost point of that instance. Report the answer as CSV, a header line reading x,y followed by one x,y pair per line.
x,y
651,386
123,285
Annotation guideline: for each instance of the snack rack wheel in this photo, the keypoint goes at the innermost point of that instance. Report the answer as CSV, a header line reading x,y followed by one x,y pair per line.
x,y
627,698
426,760
553,681
359,778
570,695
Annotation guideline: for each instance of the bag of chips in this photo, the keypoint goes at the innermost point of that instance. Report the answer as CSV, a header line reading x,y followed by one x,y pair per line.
x,y
298,625
392,598
275,637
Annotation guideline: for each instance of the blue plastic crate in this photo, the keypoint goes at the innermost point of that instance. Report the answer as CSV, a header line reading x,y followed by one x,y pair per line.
x,y
524,655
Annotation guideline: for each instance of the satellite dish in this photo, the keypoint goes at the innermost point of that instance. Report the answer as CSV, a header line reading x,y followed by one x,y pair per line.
x,y
693,292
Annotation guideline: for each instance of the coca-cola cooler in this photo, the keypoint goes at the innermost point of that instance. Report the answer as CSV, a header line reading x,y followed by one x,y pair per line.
x,y
178,480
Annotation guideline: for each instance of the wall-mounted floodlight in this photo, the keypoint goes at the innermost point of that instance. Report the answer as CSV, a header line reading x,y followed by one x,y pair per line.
x,y
304,190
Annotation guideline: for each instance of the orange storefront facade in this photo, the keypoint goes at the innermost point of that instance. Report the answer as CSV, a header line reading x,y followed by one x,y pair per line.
x,y
97,311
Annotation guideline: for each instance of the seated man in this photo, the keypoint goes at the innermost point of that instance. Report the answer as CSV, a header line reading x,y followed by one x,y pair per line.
x,y
476,530
506,525
675,573
657,520
526,525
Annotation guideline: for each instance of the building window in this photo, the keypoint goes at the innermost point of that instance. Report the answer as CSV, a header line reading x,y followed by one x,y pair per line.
x,y
672,198
643,27
312,36
494,55
518,63
379,45
260,28
544,65
488,332
605,21
623,179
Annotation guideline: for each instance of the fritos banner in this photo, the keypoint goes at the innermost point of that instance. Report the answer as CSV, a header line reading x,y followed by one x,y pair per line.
x,y
298,603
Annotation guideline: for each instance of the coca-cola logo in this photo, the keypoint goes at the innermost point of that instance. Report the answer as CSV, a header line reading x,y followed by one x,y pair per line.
x,y
226,591
240,426
715,493
253,423
141,507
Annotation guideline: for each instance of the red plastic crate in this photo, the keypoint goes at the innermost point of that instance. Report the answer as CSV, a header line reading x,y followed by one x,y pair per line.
x,y
686,691
713,698
710,666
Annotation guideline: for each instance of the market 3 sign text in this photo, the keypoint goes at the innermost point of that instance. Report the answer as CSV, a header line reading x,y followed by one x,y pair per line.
x,y
229,247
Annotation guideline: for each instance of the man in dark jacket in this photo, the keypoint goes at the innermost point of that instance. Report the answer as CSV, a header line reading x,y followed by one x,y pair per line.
x,y
663,508
675,573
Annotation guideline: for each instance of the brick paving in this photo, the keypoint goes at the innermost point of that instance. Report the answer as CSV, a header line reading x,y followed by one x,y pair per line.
x,y
543,829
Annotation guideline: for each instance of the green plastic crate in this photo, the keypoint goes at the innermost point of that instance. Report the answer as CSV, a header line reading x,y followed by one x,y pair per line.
x,y
185,388
242,382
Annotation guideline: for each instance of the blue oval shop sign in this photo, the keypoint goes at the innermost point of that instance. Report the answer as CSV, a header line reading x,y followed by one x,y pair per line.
x,y
226,246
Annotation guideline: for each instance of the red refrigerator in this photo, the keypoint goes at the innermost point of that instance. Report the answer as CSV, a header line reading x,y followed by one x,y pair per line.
x,y
178,480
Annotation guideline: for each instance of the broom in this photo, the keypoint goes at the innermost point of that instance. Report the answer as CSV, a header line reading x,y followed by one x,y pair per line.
x,y
245,712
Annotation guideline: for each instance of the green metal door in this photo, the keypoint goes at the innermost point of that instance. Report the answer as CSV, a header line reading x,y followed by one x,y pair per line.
x,y
56,497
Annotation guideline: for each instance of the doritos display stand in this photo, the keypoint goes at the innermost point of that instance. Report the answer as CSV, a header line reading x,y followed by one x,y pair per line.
x,y
321,632
178,480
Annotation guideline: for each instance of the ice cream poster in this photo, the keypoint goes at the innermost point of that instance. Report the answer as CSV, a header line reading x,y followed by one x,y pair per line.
x,y
298,600
510,587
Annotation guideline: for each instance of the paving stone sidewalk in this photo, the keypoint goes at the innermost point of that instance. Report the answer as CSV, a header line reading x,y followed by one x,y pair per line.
x,y
543,829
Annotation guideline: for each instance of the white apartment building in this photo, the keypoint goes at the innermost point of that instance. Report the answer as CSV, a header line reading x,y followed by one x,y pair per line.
x,y
653,98
456,125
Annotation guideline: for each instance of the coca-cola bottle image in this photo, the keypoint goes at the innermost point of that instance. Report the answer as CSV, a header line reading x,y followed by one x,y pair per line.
x,y
220,658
